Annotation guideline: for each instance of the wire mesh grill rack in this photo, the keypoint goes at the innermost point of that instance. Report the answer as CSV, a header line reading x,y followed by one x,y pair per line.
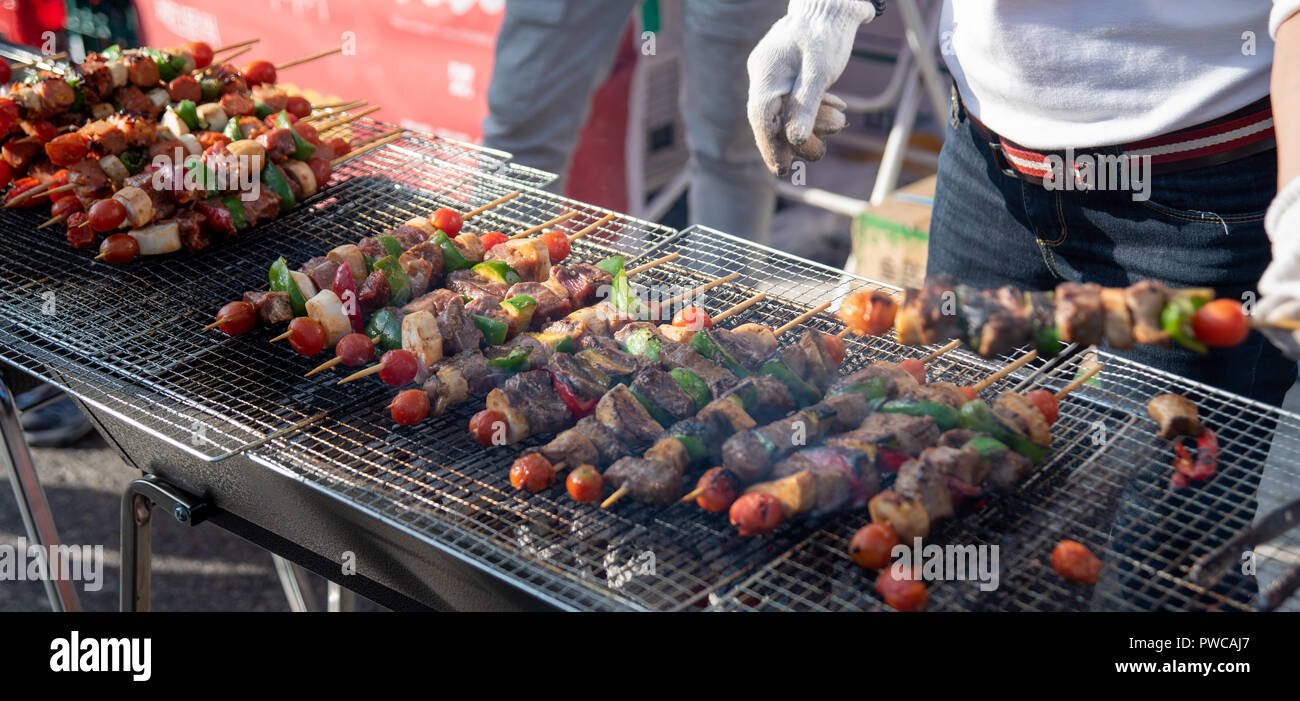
x,y
128,338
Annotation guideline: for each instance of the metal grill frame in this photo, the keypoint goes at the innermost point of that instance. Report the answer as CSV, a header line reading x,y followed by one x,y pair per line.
x,y
434,485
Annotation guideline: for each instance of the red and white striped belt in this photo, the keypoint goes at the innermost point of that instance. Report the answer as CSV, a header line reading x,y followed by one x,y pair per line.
x,y
1246,132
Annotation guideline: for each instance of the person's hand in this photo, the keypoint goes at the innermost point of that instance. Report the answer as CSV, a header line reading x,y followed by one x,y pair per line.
x,y
1279,288
789,72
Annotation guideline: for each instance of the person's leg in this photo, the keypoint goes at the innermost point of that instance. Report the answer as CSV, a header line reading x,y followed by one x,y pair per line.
x,y
550,56
731,188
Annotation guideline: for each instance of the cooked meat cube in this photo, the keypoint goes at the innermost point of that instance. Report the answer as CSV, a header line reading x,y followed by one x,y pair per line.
x,y
748,349
321,271
1176,415
459,332
925,482
963,464
446,385
132,100
1146,302
237,105
582,281
955,438
193,236
842,478
272,96
487,305
907,434
271,307
648,481
571,447
434,301
265,208
929,315
528,257
850,411
1007,469
607,443
900,382
141,70
1079,313
819,370
725,417
1119,322
664,393
626,330
620,412
530,393
549,305
671,452
431,255
586,382
747,455
105,137
96,79
374,292
1015,409
774,398
419,273
470,284
614,361
371,247
905,515
996,321
539,352
409,237
278,142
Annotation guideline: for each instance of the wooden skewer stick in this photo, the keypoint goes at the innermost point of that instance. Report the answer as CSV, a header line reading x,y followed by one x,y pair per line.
x,y
668,303
1078,381
336,106
940,352
335,111
741,307
24,63
50,222
281,337
483,208
1010,368
335,360
613,498
313,57
336,123
224,59
803,317
654,263
690,496
592,227
1286,324
38,190
367,372
546,225
369,146
236,45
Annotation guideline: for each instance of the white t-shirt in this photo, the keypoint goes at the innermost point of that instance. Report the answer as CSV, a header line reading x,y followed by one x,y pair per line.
x,y
1051,74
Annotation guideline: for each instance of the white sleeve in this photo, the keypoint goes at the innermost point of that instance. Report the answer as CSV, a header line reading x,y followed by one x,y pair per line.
x,y
1282,9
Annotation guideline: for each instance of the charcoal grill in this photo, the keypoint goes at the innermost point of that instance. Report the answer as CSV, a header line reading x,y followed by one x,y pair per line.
x,y
317,473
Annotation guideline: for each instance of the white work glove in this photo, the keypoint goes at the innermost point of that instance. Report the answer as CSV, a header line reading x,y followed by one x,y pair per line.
x,y
789,72
1279,288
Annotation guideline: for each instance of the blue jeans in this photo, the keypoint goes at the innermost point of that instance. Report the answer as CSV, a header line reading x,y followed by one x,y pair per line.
x,y
1200,228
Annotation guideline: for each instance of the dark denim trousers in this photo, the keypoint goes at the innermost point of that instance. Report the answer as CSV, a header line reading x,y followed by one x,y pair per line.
x,y
1199,228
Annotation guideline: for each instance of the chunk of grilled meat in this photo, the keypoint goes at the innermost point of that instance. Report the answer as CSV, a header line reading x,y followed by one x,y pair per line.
x,y
663,392
582,281
648,480
929,314
620,412
1176,415
904,514
1079,315
584,380
321,271
1017,411
530,394
470,284
906,434
271,307
549,305
842,478
1119,322
1146,301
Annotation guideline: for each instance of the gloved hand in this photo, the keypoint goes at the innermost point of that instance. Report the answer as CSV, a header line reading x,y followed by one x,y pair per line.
x,y
789,72
1279,288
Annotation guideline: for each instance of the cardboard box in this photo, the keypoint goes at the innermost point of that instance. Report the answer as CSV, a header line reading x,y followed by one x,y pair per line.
x,y
890,240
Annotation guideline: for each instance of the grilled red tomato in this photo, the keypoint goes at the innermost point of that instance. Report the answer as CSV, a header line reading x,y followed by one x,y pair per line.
x,y
1221,323
410,406
719,488
236,318
449,220
1075,562
532,472
872,546
557,245
486,426
868,312
915,368
585,484
493,238
901,590
755,513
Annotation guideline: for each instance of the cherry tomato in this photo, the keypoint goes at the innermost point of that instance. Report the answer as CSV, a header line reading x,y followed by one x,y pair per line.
x,y
755,513
557,245
201,52
306,131
1075,562
868,312
67,149
119,248
9,114
492,239
903,593
42,129
6,174
400,367
692,318
185,87
258,72
1046,403
410,406
236,318
107,214
298,106
833,347
448,220
320,168
355,349
915,368
486,426
1221,323
22,185
80,235
720,487
6,73
62,208
306,335
532,472
585,484
872,546
339,146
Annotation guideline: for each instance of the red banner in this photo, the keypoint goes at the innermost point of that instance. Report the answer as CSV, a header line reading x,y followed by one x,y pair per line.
x,y
426,62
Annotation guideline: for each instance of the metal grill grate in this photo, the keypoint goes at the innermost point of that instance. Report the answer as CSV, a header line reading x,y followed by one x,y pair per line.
x,y
127,337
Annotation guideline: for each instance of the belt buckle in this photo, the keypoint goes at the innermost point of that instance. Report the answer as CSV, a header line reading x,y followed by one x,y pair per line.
x,y
1000,159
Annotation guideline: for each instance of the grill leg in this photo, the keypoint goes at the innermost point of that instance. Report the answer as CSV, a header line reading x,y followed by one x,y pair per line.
x,y
137,533
292,579
341,599
38,518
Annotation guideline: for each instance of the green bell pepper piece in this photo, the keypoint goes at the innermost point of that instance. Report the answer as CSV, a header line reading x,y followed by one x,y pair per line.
x,y
261,110
79,99
612,264
803,393
944,416
1176,319
694,446
557,342
303,149
452,258
387,327
708,347
236,209
282,281
986,446
494,332
398,284
111,52
656,412
392,247
643,343
166,69
211,89
497,271
514,361
189,113
519,309
693,385
232,131
1047,341
133,162
272,179
624,299
977,416
203,175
